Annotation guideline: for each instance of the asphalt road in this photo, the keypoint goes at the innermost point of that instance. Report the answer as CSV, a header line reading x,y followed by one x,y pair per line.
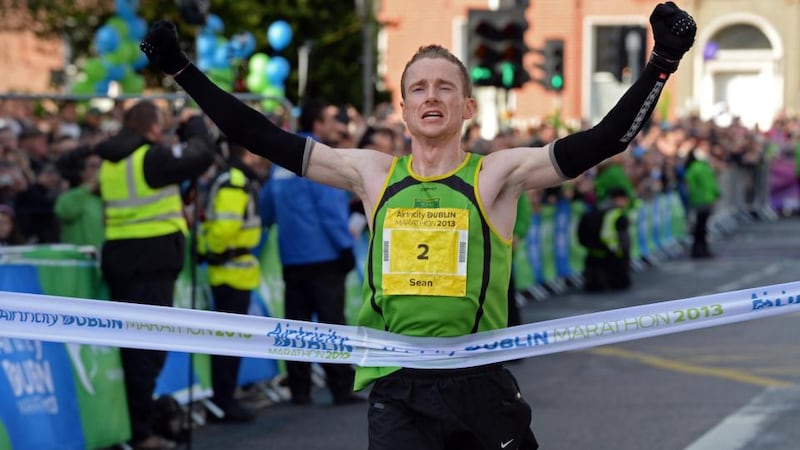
x,y
722,388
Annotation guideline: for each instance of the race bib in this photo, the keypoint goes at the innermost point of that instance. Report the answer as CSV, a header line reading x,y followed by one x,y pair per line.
x,y
425,251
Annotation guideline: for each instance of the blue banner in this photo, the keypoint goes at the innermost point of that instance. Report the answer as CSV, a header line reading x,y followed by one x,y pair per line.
x,y
641,228
562,237
37,392
534,247
174,377
665,206
657,222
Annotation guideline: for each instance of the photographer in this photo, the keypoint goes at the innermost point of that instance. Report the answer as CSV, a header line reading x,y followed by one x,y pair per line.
x,y
145,233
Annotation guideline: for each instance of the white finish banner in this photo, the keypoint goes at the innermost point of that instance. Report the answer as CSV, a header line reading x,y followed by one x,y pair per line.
x,y
64,319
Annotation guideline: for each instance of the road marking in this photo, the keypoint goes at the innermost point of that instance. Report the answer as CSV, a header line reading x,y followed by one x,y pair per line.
x,y
740,428
751,279
694,369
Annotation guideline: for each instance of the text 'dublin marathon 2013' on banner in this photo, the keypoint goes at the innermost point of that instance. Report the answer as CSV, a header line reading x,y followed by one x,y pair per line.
x,y
64,319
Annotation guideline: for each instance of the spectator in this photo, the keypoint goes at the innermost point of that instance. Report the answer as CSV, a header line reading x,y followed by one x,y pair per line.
x,y
80,208
9,235
35,207
611,175
65,123
12,182
703,192
316,250
605,234
33,142
8,139
378,138
232,228
145,235
92,123
545,134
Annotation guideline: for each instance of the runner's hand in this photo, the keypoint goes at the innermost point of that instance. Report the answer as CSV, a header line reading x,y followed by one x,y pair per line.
x,y
161,46
673,31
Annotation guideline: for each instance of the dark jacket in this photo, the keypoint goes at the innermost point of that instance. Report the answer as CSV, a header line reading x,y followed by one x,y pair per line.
x,y
159,257
312,222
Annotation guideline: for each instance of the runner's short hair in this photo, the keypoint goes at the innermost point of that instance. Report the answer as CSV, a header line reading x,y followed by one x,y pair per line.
x,y
435,51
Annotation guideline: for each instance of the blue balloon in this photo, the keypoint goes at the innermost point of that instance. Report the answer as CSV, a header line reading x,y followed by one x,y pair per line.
x,y
126,8
277,70
137,28
221,58
242,45
214,24
279,34
101,87
114,72
206,45
141,61
205,63
106,39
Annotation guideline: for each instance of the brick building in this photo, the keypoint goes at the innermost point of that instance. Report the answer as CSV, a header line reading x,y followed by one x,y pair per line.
x,y
745,60
742,63
26,60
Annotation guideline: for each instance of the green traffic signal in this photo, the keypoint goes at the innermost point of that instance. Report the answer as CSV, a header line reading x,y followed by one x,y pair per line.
x,y
478,74
507,74
496,47
553,65
557,82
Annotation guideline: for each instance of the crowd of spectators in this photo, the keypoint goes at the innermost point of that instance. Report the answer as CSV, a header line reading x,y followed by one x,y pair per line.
x,y
46,150
655,161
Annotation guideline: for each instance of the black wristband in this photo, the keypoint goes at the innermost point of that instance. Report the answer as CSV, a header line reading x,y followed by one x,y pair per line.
x,y
663,63
244,125
576,153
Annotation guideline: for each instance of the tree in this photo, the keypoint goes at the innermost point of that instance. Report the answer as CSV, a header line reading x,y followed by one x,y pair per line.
x,y
331,26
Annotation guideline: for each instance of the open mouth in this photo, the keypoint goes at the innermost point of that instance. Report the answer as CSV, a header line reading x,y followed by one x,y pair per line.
x,y
432,114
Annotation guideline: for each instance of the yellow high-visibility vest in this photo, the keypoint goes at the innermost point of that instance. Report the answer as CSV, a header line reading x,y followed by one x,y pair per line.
x,y
132,208
231,230
608,232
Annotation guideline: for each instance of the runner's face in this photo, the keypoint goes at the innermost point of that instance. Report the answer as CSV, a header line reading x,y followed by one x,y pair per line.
x,y
435,106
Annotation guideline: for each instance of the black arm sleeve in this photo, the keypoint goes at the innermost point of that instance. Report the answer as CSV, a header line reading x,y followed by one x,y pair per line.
x,y
164,166
244,125
576,153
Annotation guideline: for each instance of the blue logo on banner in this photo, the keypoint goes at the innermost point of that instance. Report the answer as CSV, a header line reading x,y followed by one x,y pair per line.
x,y
255,370
38,403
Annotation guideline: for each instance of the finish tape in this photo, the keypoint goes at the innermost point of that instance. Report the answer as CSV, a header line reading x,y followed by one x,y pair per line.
x,y
106,323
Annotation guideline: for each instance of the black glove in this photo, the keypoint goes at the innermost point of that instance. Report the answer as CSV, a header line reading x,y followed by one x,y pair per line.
x,y
673,33
161,46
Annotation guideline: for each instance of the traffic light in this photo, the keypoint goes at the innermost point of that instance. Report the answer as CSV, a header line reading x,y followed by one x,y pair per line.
x,y
553,65
496,47
620,49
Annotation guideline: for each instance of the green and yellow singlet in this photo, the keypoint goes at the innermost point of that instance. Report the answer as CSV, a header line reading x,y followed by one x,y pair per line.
x,y
436,266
